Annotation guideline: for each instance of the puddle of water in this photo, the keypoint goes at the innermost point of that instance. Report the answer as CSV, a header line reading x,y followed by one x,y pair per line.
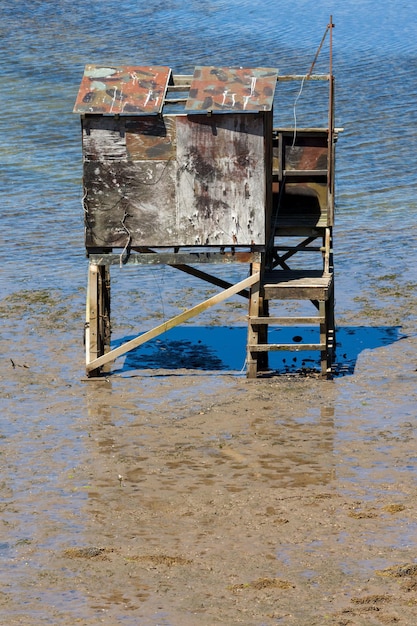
x,y
224,348
365,568
398,536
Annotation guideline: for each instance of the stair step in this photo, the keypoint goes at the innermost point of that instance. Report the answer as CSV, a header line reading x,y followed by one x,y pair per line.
x,y
291,347
304,173
297,285
287,321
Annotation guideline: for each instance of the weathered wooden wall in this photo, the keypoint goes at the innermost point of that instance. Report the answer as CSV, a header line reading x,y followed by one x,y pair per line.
x,y
177,180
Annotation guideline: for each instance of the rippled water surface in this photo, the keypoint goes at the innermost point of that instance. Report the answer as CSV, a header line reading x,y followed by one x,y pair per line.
x,y
45,45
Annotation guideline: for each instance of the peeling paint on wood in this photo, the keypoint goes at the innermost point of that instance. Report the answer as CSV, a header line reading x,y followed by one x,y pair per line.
x,y
130,203
176,180
222,178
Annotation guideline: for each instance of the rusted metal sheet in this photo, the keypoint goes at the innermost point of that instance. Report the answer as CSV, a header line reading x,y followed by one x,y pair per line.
x,y
301,164
302,153
150,138
306,156
122,90
225,89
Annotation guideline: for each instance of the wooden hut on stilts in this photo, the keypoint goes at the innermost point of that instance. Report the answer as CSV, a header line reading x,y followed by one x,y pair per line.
x,y
213,183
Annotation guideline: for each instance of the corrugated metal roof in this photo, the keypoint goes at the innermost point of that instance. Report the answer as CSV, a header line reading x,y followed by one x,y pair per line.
x,y
223,89
122,90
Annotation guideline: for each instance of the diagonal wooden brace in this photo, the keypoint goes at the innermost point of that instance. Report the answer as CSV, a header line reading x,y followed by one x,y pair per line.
x,y
175,321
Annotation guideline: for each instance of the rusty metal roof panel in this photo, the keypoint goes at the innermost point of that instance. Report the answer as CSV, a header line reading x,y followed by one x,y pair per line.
x,y
226,89
118,90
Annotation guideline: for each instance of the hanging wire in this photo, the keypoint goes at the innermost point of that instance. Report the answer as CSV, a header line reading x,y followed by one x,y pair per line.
x,y
160,285
319,48
305,77
129,238
295,111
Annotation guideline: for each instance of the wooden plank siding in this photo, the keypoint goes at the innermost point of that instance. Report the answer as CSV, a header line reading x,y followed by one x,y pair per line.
x,y
177,180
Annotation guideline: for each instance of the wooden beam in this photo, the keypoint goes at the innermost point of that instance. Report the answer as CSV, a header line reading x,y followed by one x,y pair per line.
x,y
91,316
306,173
193,271
287,321
254,330
175,321
291,347
173,258
287,77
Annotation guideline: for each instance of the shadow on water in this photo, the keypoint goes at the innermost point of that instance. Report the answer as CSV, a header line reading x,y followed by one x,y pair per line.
x,y
223,348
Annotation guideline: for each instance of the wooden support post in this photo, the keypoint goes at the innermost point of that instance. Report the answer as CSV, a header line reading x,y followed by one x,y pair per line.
x,y
91,316
104,312
327,251
255,310
263,360
324,354
331,328
327,335
97,324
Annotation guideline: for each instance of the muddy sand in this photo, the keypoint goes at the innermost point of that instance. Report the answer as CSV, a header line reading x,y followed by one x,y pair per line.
x,y
184,498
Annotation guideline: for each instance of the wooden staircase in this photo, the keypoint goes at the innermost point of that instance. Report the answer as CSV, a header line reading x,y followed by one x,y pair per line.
x,y
303,210
297,285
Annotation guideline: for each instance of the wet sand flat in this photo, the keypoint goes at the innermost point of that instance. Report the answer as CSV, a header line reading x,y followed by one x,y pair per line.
x,y
156,497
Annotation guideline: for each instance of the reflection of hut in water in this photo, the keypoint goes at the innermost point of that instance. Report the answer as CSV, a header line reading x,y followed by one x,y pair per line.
x,y
189,171
303,450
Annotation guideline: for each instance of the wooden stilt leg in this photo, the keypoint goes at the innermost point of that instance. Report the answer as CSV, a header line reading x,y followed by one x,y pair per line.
x,y
91,317
253,329
104,313
324,354
331,329
97,324
263,335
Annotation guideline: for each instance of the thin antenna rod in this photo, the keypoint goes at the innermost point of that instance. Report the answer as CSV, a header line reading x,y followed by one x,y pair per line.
x,y
329,27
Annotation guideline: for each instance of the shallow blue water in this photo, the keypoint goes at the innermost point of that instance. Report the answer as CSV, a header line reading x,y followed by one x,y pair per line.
x,y
45,45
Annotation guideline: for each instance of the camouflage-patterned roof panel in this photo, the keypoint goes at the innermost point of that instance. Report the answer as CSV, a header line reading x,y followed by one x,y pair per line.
x,y
128,90
224,89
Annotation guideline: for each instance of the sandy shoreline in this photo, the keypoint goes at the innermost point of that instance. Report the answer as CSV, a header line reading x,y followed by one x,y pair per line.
x,y
204,499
